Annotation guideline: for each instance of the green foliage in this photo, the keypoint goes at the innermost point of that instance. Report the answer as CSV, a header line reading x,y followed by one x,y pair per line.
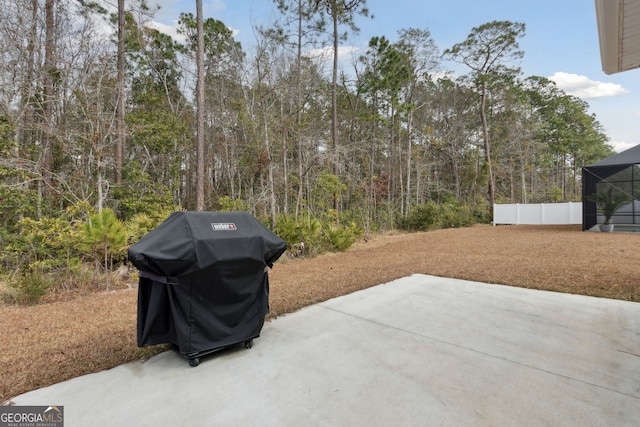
x,y
218,38
608,202
16,200
555,194
384,216
303,236
327,189
40,254
310,236
455,216
273,131
490,47
8,293
28,288
104,235
42,245
388,69
143,223
481,214
342,237
227,204
142,194
421,217
48,253
431,216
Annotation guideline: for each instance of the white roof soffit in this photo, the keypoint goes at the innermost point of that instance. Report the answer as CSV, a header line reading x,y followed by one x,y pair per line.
x,y
619,34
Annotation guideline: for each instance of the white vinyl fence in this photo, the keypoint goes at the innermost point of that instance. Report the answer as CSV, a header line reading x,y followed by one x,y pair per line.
x,y
543,213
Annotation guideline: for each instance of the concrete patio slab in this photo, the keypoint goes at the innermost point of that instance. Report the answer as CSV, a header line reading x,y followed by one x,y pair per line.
x,y
421,350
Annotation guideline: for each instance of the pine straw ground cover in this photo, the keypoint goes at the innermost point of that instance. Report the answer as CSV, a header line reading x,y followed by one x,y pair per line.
x,y
51,342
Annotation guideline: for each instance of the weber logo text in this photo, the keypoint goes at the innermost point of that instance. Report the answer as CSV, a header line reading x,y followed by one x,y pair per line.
x,y
223,226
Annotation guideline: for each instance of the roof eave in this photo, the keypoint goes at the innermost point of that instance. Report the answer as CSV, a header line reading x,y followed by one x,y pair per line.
x,y
618,34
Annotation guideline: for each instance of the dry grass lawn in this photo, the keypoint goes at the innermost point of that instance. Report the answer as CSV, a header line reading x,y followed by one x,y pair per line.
x,y
52,342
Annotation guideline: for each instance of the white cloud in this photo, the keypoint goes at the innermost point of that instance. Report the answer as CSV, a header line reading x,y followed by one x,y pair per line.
x,y
325,54
585,88
171,30
620,146
165,18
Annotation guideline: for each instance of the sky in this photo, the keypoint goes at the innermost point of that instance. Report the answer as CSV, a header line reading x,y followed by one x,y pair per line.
x,y
560,43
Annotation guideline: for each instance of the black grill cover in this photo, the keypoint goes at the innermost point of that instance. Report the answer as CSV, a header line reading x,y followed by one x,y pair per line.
x,y
203,280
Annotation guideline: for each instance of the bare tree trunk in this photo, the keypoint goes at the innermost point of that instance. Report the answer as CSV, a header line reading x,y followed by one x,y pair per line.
x,y
409,155
49,66
512,183
270,186
487,146
524,185
106,264
200,112
299,111
400,175
120,131
26,131
285,173
334,101
563,174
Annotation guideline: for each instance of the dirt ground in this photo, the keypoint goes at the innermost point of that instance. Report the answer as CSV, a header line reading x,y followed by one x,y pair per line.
x,y
52,342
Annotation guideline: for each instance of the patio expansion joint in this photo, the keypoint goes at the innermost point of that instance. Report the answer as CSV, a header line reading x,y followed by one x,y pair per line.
x,y
470,349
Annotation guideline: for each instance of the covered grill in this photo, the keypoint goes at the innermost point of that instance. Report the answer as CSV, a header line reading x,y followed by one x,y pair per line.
x,y
203,281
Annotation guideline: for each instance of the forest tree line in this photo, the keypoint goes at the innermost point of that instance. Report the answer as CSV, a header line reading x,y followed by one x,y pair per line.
x,y
388,140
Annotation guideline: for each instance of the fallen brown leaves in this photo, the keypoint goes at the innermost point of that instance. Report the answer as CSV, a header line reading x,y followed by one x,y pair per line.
x,y
49,343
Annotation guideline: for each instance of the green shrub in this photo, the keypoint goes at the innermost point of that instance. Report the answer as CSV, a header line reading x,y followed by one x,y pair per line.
x,y
8,293
103,234
142,223
47,243
455,216
140,192
338,238
422,218
432,216
481,214
104,237
309,236
227,204
30,287
303,236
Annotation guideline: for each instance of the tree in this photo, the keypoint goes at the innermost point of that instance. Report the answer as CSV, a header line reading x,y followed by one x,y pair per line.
x,y
160,124
572,137
48,95
421,54
279,134
103,236
487,51
341,12
200,109
120,129
222,62
386,80
452,121
298,30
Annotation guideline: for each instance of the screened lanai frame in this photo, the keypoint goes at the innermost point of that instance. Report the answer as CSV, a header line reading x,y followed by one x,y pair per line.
x,y
618,35
620,172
